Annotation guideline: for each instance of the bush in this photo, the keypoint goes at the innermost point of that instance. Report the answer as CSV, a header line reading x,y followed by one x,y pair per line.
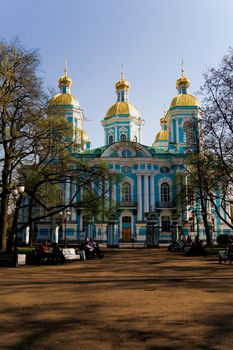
x,y
195,250
223,239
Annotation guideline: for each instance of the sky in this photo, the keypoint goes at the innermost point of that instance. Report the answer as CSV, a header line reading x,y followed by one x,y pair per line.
x,y
149,37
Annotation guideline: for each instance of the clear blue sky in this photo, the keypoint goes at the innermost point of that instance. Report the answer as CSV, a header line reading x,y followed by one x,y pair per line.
x,y
150,37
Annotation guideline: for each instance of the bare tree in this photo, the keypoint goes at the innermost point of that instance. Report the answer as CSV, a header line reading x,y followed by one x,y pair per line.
x,y
22,100
36,144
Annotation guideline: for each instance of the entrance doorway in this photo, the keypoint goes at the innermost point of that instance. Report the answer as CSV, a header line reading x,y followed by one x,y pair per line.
x,y
126,229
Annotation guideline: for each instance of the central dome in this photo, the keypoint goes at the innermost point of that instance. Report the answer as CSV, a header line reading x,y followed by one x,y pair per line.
x,y
123,108
63,99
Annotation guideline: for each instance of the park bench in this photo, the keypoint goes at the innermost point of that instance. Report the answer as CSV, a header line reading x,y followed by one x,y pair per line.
x,y
12,260
70,255
223,255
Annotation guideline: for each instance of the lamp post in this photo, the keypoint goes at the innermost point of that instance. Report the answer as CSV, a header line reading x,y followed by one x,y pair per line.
x,y
17,192
67,214
61,215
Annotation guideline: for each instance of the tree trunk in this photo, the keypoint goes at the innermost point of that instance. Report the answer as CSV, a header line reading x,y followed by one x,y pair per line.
x,y
204,217
203,200
31,224
4,219
13,233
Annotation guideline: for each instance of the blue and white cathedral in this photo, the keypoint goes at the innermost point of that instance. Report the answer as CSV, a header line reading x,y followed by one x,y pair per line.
x,y
145,198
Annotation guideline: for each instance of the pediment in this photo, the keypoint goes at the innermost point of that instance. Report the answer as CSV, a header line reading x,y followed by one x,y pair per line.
x,y
126,149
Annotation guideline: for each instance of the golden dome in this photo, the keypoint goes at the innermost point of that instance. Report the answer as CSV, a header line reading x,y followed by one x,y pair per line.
x,y
183,81
122,84
123,108
64,80
62,99
184,100
162,135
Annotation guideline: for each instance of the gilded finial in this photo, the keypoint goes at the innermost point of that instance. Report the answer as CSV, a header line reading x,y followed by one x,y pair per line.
x,y
122,83
164,110
163,120
182,67
65,69
122,72
65,80
183,81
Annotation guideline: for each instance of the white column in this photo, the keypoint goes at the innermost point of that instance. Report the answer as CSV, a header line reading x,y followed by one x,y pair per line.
x,y
152,193
177,131
114,192
139,197
115,134
146,194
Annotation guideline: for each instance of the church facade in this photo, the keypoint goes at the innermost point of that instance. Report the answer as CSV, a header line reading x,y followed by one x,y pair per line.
x,y
145,200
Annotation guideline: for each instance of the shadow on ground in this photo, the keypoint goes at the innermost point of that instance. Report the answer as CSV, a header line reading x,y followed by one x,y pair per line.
x,y
132,299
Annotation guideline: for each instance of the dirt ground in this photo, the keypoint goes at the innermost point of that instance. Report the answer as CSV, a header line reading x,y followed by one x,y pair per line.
x,y
132,299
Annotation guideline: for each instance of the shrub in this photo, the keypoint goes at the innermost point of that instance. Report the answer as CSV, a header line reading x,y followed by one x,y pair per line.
x,y
223,239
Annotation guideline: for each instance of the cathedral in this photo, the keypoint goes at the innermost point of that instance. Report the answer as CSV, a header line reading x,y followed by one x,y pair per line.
x,y
145,199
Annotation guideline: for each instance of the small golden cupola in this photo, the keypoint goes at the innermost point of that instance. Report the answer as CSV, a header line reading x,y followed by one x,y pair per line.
x,y
183,99
64,98
122,84
68,106
122,106
183,83
122,122
161,139
65,81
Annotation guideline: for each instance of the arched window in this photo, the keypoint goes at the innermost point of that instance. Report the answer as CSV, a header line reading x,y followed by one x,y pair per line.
x,y
166,224
165,192
123,137
126,192
189,129
126,153
110,139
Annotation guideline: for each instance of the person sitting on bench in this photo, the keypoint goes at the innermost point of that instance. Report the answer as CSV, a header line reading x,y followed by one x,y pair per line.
x,y
57,254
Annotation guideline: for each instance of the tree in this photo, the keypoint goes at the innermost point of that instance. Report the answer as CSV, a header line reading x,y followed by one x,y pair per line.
x,y
36,144
22,100
217,126
217,112
199,183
